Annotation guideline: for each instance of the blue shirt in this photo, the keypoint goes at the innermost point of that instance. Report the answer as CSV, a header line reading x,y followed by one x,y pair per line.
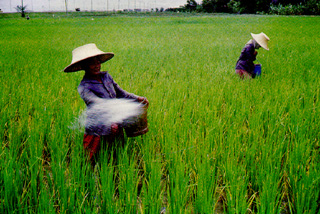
x,y
90,90
107,89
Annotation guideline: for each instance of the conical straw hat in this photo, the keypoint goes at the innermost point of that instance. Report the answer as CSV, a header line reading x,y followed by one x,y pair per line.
x,y
262,39
85,52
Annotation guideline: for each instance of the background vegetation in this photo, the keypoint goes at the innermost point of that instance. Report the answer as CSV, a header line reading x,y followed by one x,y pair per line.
x,y
216,143
280,7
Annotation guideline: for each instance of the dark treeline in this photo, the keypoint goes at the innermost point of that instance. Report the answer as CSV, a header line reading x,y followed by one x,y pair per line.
x,y
281,7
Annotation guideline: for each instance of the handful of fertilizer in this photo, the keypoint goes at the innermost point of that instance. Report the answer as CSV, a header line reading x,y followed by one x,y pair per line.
x,y
105,112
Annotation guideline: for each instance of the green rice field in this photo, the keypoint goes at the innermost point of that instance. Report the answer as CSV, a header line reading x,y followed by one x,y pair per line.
x,y
216,144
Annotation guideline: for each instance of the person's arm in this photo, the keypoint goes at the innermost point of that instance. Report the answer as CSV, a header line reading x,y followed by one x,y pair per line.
x,y
87,95
250,53
122,93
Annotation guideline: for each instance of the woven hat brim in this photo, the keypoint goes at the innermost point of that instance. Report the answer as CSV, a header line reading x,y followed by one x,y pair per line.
x,y
262,43
76,66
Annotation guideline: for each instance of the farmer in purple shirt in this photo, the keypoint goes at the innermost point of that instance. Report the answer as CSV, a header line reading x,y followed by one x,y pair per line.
x,y
245,65
94,85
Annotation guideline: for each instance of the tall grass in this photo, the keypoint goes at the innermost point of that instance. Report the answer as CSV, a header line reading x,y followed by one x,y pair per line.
x,y
216,143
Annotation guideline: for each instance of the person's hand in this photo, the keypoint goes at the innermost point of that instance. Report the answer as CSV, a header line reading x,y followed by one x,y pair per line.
x,y
143,100
114,129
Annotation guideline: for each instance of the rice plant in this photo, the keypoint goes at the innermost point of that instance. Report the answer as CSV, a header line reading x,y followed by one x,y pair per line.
x,y
216,144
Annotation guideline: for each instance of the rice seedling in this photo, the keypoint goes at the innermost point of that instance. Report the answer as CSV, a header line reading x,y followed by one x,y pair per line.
x,y
215,143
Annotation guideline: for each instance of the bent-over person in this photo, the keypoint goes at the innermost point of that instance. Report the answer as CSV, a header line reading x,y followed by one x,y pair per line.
x,y
245,65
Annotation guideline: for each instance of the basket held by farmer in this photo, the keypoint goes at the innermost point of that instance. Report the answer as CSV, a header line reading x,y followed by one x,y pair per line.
x,y
95,86
245,67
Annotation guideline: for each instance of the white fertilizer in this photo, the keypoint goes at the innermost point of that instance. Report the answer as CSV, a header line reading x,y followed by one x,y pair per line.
x,y
105,112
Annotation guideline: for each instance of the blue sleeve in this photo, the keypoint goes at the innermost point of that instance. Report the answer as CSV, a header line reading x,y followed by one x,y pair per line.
x,y
87,95
120,93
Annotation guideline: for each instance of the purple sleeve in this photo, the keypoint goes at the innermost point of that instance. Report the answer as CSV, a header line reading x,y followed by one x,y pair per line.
x,y
247,56
250,53
122,93
87,95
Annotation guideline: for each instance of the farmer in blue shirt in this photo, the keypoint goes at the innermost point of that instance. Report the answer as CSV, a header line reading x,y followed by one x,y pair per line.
x,y
245,65
96,84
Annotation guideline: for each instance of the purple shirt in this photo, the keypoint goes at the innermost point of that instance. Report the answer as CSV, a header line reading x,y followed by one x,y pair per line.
x,y
90,89
245,61
108,89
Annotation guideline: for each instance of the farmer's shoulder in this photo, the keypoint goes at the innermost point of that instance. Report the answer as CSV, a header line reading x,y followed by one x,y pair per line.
x,y
85,84
81,86
106,76
248,47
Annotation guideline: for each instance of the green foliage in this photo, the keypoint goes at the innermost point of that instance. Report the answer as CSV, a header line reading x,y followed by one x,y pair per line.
x,y
262,6
191,5
234,6
287,10
312,7
248,6
289,7
216,143
213,6
297,7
